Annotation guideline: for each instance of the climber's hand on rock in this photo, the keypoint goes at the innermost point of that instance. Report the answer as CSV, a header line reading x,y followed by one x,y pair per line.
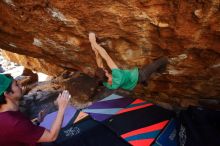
x,y
92,37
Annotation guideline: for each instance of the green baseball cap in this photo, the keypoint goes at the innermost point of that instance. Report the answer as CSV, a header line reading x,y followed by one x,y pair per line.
x,y
4,83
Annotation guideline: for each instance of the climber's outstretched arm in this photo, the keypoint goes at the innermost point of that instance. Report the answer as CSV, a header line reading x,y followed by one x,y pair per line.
x,y
102,51
98,58
105,56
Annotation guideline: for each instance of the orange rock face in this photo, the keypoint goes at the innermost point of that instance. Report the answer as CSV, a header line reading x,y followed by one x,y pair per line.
x,y
133,32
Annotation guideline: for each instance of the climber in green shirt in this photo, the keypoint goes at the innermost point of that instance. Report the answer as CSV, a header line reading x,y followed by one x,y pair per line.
x,y
122,78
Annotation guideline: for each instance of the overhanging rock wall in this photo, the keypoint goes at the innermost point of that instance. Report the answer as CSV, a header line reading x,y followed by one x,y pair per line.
x,y
134,32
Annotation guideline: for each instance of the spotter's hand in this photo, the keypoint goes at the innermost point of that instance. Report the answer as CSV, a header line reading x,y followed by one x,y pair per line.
x,y
63,99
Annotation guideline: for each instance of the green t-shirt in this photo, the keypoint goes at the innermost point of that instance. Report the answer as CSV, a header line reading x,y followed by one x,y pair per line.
x,y
125,79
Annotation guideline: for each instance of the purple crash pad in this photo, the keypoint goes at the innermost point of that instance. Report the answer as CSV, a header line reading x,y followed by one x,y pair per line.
x,y
107,107
49,119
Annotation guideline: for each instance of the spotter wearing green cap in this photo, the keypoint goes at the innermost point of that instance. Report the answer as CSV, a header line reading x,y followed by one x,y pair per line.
x,y
4,83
